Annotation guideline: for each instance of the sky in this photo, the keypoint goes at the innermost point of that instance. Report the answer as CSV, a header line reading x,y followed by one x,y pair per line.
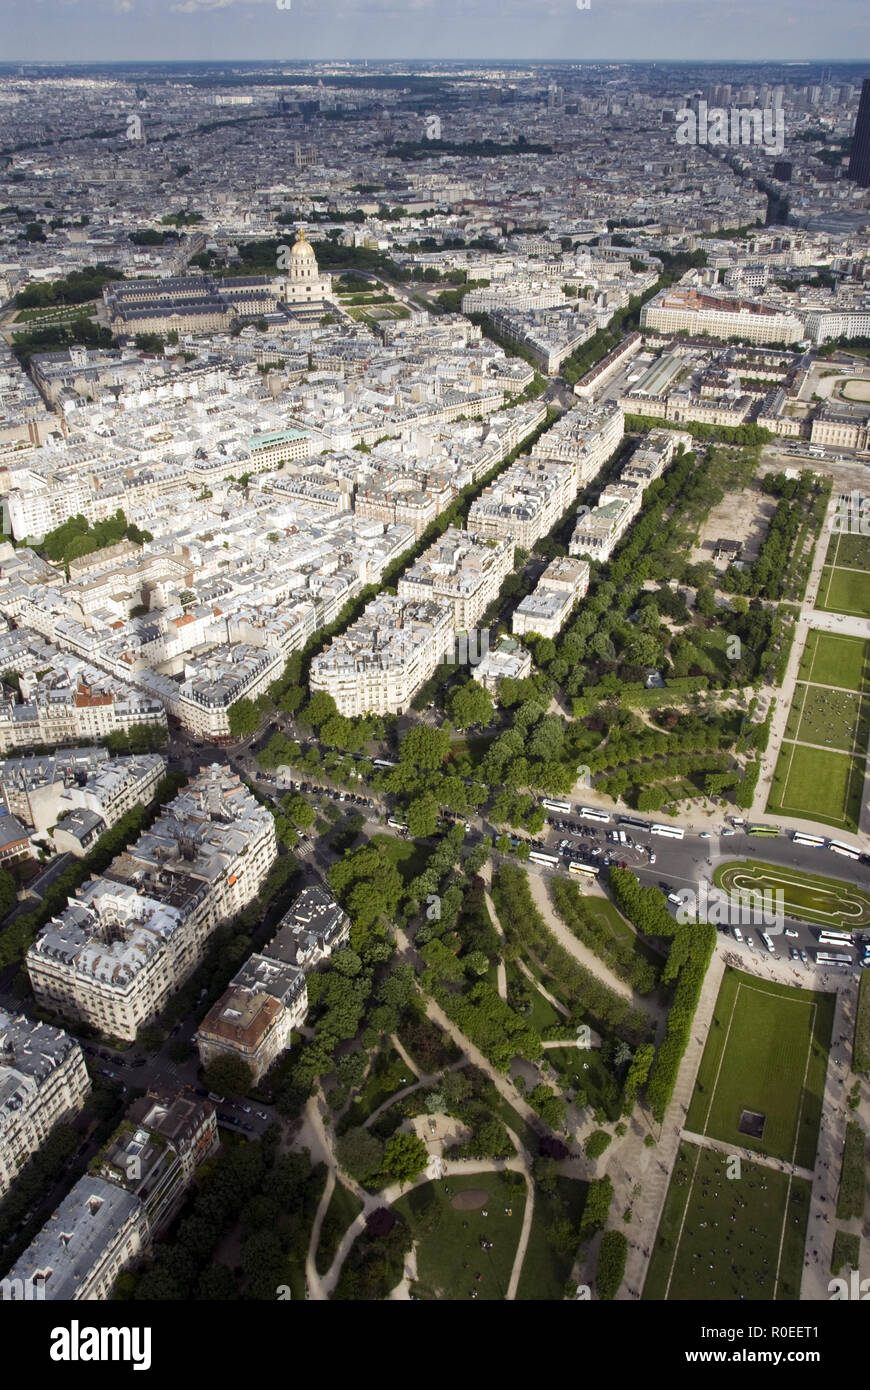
x,y
130,30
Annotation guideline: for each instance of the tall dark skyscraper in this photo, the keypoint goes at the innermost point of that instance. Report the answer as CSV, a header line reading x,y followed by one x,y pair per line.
x,y
859,161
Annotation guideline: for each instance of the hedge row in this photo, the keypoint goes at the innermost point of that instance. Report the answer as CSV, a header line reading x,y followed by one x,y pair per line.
x,y
861,1044
611,1264
853,1180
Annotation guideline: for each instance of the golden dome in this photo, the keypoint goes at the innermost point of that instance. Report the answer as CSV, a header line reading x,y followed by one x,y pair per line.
x,y
302,246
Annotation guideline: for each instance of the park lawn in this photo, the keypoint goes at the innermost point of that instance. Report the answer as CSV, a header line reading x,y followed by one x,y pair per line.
x,y
444,1252
761,1228
838,715
829,659
713,644
344,1207
849,550
384,1079
766,1052
528,1137
844,591
828,902
582,1069
817,784
612,919
409,857
546,1267
542,1014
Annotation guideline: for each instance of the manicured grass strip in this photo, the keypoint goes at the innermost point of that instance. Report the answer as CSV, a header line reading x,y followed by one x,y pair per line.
x,y
837,718
727,1239
818,785
844,591
829,659
673,1213
794,1239
853,552
766,1053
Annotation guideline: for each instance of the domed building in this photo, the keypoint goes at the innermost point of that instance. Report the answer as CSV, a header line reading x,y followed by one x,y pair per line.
x,y
303,284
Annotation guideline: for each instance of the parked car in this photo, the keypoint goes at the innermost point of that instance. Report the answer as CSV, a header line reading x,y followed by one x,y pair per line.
x,y
790,931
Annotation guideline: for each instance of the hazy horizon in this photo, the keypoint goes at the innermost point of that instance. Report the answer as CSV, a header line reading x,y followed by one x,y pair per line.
x,y
667,31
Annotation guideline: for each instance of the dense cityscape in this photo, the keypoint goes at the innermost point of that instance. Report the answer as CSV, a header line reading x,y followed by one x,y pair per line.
x,y
436,551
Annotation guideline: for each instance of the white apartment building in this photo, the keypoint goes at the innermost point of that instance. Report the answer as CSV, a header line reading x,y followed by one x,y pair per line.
x,y
111,1216
598,531
525,502
268,997
128,939
83,1246
118,786
63,712
461,570
43,1079
544,611
507,660
378,665
584,437
822,325
515,295
653,454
